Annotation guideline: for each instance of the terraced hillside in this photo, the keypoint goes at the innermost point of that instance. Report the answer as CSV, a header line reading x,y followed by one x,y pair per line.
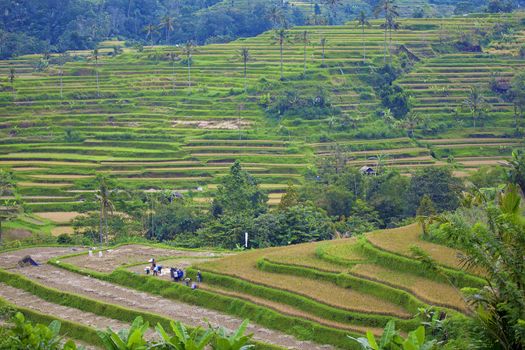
x,y
154,122
304,296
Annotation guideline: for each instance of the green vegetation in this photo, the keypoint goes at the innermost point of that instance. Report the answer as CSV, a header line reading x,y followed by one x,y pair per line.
x,y
356,171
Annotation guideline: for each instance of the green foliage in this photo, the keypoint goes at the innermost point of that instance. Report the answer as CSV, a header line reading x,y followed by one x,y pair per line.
x,y
363,218
173,218
495,243
488,176
239,193
393,97
126,339
237,340
26,335
72,135
516,171
227,231
296,224
9,208
438,184
304,103
290,197
182,340
393,340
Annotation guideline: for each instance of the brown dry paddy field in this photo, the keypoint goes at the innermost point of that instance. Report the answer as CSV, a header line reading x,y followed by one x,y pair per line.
x,y
300,282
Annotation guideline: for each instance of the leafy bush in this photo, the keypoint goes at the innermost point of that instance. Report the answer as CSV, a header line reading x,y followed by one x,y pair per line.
x,y
25,335
304,103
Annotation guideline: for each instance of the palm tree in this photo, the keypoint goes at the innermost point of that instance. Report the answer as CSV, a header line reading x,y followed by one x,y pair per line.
x,y
244,54
173,57
392,25
304,38
103,196
276,16
476,103
95,56
516,169
389,9
411,122
362,21
168,24
380,162
281,37
323,43
188,50
332,4
150,29
62,59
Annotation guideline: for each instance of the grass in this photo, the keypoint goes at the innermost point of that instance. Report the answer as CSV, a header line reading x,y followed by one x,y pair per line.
x,y
245,267
401,239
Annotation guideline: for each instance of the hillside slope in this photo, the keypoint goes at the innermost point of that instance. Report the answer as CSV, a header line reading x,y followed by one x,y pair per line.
x,y
152,123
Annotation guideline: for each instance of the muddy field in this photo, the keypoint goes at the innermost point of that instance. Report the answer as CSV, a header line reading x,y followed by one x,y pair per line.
x,y
134,300
181,263
41,255
132,254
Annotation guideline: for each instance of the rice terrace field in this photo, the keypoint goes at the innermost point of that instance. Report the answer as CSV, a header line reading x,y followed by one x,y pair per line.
x,y
151,126
300,296
326,236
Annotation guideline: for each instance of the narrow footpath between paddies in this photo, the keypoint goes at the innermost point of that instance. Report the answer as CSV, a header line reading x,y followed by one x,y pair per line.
x,y
188,314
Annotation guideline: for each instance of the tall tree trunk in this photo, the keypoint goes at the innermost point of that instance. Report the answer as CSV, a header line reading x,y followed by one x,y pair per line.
x,y
106,224
363,42
245,76
98,82
189,71
515,117
61,84
390,46
129,8
100,224
386,29
281,50
304,53
322,61
173,75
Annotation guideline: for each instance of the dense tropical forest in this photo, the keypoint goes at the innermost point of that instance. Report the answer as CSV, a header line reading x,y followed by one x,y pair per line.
x,y
266,174
57,26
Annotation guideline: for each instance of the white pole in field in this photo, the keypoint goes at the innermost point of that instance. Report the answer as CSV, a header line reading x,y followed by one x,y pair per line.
x,y
245,239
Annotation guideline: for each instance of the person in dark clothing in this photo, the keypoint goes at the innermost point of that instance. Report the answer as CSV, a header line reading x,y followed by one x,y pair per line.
x,y
155,272
199,276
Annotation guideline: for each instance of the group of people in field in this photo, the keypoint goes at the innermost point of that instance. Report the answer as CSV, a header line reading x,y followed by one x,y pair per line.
x,y
176,274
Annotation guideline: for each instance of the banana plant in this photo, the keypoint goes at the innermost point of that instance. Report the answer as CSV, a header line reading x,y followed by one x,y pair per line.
x,y
392,340
126,339
237,340
181,339
37,337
